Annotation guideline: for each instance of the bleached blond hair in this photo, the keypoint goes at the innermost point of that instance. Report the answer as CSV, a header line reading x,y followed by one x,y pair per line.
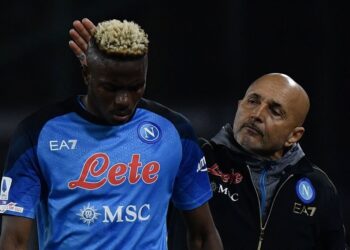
x,y
121,38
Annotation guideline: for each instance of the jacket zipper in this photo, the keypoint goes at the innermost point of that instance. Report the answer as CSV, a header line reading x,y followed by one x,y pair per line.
x,y
262,228
261,238
263,190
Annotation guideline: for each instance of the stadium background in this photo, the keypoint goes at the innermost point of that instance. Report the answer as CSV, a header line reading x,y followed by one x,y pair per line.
x,y
203,55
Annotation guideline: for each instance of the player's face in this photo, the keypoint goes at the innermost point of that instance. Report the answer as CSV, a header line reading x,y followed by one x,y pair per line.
x,y
115,87
264,120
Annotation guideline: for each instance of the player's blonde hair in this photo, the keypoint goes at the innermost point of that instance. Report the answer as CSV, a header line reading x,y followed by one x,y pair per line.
x,y
118,38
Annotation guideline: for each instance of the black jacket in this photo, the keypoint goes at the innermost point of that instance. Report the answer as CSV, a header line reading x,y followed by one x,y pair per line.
x,y
304,214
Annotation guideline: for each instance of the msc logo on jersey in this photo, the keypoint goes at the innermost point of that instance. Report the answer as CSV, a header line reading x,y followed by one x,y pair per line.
x,y
88,214
5,188
305,191
127,213
149,132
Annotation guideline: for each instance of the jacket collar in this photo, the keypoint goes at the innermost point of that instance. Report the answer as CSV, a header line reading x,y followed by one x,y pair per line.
x,y
291,158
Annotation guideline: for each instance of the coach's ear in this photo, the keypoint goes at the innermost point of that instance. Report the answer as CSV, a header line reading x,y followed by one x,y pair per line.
x,y
294,136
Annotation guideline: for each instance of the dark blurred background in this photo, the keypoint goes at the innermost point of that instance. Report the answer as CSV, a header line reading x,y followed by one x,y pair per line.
x,y
203,55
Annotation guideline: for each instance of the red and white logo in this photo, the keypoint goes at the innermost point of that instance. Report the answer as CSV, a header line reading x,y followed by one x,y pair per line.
x,y
234,177
99,164
10,207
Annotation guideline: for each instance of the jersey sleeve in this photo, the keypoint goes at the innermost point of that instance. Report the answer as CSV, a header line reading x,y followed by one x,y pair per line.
x,y
20,183
192,187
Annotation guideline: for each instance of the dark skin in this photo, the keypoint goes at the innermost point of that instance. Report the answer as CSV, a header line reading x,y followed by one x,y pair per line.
x,y
13,236
201,230
114,86
114,89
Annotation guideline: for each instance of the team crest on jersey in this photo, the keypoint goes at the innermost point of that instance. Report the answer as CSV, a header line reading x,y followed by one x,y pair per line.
x,y
88,214
305,190
149,132
5,188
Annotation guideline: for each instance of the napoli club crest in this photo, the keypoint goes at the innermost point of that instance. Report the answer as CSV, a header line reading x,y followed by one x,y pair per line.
x,y
149,132
305,190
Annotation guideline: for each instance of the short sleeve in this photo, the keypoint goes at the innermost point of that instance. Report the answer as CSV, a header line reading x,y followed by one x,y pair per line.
x,y
20,184
192,187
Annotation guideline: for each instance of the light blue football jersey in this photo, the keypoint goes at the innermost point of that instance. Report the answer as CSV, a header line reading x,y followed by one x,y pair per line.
x,y
91,185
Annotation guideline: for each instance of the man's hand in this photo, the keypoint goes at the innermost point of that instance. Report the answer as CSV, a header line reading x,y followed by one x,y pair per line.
x,y
81,34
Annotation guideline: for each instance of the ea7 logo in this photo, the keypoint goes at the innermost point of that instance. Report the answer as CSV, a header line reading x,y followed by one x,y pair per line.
x,y
56,145
302,209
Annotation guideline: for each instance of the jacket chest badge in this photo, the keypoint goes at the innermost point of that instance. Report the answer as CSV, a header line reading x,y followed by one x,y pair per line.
x,y
305,191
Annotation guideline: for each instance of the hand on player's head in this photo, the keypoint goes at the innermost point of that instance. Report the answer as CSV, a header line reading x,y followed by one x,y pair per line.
x,y
81,34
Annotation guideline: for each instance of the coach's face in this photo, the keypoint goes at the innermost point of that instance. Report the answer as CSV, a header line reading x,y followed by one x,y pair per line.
x,y
115,87
270,115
